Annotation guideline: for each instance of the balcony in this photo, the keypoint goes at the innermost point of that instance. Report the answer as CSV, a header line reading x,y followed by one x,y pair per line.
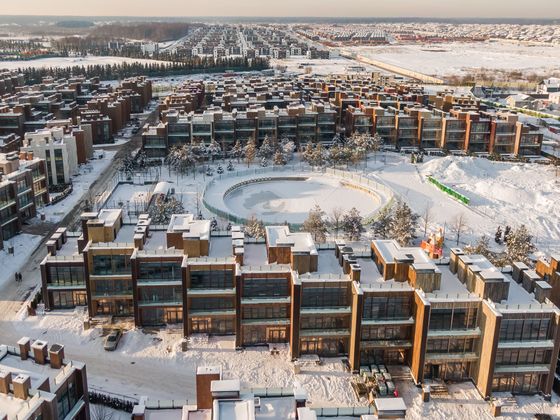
x,y
158,303
332,310
394,344
267,321
451,357
266,300
324,333
454,333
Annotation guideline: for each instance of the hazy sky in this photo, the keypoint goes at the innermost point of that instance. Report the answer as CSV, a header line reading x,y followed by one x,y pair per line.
x,y
343,8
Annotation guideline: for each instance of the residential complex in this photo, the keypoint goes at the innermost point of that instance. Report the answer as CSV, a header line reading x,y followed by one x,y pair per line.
x,y
37,381
314,109
27,108
374,302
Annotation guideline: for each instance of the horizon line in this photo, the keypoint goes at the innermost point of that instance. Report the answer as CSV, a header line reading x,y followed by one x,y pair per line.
x,y
290,17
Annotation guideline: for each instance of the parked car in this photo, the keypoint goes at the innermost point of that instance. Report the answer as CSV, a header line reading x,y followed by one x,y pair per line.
x,y
112,340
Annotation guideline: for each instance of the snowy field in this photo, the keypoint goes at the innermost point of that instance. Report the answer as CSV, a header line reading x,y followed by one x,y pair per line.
x,y
71,61
322,67
88,173
461,58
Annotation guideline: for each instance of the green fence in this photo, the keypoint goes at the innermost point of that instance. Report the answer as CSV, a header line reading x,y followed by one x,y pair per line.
x,y
450,191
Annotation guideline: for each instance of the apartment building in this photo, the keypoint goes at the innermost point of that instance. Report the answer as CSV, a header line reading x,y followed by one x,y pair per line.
x,y
38,382
62,152
23,189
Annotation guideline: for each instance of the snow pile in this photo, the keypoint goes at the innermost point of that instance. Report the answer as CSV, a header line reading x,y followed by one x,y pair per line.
x,y
510,193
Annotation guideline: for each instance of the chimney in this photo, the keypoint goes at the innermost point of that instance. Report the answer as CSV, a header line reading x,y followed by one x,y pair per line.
x,y
22,383
24,344
40,352
300,396
5,381
355,272
56,356
204,377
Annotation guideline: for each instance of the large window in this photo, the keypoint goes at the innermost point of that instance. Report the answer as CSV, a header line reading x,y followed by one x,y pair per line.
x,y
525,329
265,312
386,307
66,275
520,384
211,304
385,333
159,270
161,294
106,265
453,318
451,345
112,287
324,323
213,279
265,287
325,297
67,400
523,357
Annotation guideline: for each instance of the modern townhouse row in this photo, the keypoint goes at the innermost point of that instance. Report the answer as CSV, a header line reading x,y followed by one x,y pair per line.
x,y
374,302
27,108
315,109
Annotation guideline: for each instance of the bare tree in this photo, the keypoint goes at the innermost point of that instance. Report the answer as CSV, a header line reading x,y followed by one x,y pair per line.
x,y
427,217
100,412
459,226
336,218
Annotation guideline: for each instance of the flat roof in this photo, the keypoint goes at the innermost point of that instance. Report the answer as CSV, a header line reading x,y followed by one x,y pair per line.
x,y
390,250
187,224
298,241
109,216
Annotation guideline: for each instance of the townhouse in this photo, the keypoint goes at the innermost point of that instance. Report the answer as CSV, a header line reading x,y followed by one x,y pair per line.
x,y
373,302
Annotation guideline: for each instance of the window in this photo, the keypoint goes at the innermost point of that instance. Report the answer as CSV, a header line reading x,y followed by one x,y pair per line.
x,y
525,329
324,297
161,294
254,287
66,275
385,333
160,270
213,279
265,312
386,307
523,357
210,304
324,323
106,265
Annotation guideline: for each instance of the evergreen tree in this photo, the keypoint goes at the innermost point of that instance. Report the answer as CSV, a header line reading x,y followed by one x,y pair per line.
x,y
382,224
352,224
279,158
250,151
162,210
519,245
402,226
255,228
237,151
266,150
315,224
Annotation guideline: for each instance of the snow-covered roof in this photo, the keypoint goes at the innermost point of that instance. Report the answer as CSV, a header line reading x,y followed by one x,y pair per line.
x,y
280,236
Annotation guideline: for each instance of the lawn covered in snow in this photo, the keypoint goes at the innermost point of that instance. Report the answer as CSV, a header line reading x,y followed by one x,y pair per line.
x,y
24,245
461,58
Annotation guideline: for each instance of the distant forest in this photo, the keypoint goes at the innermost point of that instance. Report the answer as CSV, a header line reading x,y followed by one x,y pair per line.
x,y
121,71
151,31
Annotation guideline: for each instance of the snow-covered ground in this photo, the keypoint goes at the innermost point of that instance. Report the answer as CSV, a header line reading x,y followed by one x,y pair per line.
x,y
157,356
461,58
501,194
89,60
24,245
89,172
337,65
